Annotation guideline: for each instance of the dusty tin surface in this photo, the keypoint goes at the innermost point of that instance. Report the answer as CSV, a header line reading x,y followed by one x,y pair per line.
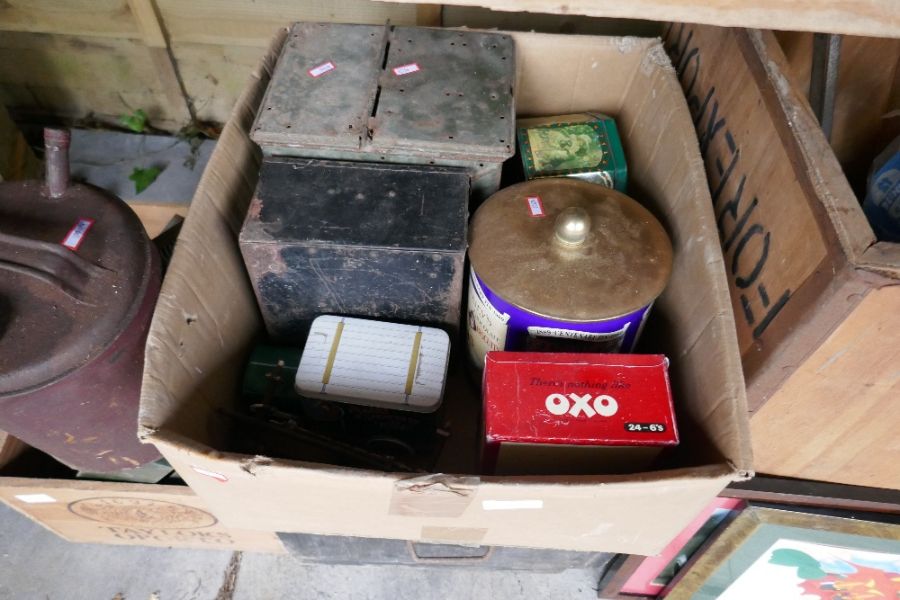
x,y
370,240
459,102
623,264
308,108
405,95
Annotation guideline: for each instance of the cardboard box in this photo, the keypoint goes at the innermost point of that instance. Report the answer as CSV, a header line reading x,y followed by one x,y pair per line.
x,y
815,295
558,413
207,320
130,514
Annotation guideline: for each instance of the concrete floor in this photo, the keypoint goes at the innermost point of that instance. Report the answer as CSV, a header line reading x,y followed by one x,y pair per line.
x,y
36,564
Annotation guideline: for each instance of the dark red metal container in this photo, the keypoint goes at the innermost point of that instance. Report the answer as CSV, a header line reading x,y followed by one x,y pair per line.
x,y
78,282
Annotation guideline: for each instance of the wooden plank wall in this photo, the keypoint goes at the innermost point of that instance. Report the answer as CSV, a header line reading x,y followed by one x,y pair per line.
x,y
17,161
105,58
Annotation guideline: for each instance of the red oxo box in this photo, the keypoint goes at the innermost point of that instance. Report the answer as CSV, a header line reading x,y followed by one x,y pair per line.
x,y
562,414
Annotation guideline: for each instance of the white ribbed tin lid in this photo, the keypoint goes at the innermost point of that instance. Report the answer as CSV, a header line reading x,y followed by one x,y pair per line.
x,y
374,363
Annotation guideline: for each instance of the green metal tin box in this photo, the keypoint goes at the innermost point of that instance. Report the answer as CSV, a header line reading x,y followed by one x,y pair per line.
x,y
406,95
584,146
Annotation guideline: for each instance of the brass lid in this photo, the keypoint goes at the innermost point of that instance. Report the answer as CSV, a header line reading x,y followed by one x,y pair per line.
x,y
590,253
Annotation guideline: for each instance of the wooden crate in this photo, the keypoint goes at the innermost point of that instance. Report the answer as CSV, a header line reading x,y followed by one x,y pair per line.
x,y
815,295
867,103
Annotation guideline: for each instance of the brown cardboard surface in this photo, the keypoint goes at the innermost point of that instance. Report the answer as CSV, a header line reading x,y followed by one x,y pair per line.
x,y
808,267
102,512
107,512
207,317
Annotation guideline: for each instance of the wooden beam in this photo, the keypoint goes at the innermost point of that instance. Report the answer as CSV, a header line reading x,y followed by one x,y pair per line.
x,y
254,22
148,21
878,18
429,15
94,18
73,77
144,13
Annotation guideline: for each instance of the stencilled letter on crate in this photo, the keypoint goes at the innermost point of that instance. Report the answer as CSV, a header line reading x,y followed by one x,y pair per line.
x,y
758,202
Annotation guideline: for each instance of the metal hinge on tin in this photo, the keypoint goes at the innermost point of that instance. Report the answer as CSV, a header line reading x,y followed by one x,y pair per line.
x,y
374,363
408,95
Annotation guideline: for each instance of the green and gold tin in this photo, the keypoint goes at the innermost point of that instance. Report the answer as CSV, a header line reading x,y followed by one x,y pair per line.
x,y
584,146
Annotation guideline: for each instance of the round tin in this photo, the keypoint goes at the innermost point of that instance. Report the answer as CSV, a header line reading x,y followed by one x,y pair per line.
x,y
563,265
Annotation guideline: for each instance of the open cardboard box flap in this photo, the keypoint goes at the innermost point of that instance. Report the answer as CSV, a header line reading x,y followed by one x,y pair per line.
x,y
207,319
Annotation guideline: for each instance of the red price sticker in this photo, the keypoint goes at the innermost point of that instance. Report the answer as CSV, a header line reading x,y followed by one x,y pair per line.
x,y
76,235
406,69
535,206
321,69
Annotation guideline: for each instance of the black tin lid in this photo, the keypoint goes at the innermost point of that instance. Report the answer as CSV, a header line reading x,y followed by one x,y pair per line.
x,y
331,203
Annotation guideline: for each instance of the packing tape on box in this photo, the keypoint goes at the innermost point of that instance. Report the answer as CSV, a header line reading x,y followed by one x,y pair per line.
x,y
436,495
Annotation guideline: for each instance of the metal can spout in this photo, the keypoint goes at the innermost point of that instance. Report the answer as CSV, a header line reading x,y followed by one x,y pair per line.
x,y
56,157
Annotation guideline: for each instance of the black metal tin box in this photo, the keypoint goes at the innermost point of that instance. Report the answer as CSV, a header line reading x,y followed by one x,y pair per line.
x,y
408,95
357,239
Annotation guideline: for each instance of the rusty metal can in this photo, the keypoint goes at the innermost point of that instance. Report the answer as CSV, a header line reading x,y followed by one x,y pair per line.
x,y
78,282
560,264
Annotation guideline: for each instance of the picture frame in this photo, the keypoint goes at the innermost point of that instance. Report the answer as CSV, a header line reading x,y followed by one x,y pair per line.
x,y
633,577
776,553
811,495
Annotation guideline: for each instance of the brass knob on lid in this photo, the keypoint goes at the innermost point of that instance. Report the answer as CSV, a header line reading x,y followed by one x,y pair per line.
x,y
572,226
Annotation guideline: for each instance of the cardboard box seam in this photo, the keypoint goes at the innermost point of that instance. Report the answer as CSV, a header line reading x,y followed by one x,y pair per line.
x,y
725,316
148,420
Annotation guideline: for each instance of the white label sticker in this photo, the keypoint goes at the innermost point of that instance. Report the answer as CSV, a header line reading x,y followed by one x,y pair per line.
x,y
512,504
535,206
208,473
76,235
539,338
321,69
406,69
36,498
582,336
487,326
